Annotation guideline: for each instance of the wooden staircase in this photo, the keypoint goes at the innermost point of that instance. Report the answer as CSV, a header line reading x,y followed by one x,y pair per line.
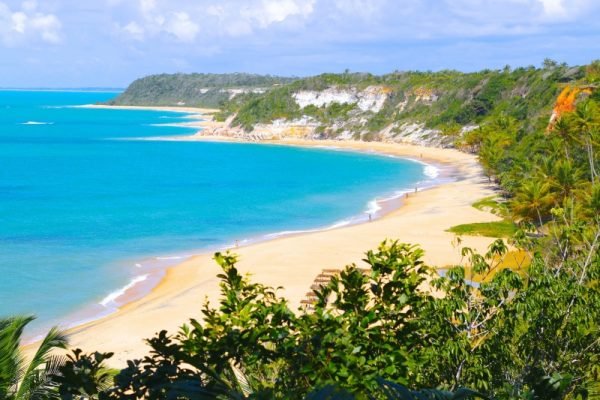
x,y
320,281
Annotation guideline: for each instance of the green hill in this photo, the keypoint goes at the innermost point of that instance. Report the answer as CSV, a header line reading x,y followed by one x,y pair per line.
x,y
199,90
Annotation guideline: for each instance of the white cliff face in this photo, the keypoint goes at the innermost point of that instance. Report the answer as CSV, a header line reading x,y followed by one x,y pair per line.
x,y
324,98
371,99
413,133
234,92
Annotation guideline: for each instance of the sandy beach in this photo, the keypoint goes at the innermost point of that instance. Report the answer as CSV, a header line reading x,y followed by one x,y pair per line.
x,y
199,112
293,262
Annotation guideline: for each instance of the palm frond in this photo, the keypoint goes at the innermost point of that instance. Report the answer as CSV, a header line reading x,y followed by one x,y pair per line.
x,y
12,365
34,378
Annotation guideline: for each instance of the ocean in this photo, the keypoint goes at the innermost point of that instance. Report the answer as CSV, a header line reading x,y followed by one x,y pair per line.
x,y
88,210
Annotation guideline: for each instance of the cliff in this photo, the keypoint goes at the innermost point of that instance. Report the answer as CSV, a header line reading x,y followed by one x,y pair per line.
x,y
429,108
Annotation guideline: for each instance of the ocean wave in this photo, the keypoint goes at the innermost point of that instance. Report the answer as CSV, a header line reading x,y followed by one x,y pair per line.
x,y
36,123
335,225
171,258
289,233
431,172
174,125
373,207
120,292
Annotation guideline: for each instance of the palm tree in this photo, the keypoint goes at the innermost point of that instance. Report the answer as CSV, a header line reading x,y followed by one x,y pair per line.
x,y
562,127
586,119
566,179
533,201
34,380
593,201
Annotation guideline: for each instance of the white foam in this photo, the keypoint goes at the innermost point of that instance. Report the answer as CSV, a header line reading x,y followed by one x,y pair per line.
x,y
171,258
431,172
175,125
344,222
335,225
118,293
372,207
37,123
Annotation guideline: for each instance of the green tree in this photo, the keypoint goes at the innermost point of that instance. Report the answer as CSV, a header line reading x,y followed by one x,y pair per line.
x,y
533,201
567,180
586,120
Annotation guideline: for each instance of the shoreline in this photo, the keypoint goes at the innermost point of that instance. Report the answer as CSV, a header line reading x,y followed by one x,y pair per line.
x,y
180,292
156,266
188,110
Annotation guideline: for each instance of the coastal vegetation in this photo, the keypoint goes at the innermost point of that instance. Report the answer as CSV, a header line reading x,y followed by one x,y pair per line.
x,y
203,90
445,108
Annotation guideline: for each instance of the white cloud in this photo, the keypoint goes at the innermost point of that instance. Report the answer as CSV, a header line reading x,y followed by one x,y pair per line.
x,y
553,7
48,26
19,26
181,26
134,30
362,8
29,5
147,6
268,12
157,20
565,9
185,20
340,21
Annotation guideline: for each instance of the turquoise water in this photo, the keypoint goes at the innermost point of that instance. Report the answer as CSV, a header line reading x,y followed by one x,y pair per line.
x,y
84,211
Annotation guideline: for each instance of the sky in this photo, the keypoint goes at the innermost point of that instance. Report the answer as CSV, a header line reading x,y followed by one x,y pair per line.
x,y
109,43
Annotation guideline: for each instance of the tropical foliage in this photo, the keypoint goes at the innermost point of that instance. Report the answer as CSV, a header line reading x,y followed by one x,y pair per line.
x,y
33,379
204,90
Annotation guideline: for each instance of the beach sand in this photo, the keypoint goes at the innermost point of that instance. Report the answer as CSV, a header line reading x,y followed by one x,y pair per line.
x,y
199,112
293,262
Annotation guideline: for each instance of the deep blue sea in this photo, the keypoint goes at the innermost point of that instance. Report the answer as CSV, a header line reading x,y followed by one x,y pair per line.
x,y
86,209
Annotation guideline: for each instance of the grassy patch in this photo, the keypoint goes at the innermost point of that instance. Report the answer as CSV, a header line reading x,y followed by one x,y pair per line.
x,y
496,229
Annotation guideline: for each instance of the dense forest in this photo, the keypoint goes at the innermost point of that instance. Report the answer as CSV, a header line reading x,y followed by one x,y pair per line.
x,y
204,90
505,327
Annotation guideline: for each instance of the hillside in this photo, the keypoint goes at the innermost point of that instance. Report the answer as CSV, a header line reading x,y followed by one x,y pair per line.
x,y
432,108
422,107
199,90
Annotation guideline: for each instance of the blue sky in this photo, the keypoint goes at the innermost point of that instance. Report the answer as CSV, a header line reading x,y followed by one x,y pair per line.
x,y
77,43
